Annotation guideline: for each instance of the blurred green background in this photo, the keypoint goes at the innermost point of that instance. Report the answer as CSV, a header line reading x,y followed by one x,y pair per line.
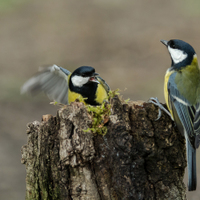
x,y
120,39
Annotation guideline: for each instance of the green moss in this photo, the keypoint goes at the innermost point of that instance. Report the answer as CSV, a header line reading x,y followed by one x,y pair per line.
x,y
100,115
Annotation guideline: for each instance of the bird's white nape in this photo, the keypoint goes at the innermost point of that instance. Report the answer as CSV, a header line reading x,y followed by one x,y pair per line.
x,y
79,81
177,55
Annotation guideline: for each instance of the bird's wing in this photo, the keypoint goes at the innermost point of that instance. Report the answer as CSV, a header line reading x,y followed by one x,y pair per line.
x,y
53,81
183,111
103,83
184,114
197,125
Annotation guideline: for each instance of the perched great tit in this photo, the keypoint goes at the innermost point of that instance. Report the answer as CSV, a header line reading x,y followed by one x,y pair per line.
x,y
64,87
182,96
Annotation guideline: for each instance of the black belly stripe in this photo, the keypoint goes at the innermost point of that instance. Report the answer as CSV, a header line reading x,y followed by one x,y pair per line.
x,y
87,91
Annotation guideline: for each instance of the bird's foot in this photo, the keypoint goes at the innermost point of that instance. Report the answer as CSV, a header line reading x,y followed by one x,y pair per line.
x,y
156,102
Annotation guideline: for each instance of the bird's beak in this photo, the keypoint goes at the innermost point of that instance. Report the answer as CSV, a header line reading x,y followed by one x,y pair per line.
x,y
164,42
93,78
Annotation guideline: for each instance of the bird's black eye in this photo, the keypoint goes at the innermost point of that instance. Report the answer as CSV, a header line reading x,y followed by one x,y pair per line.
x,y
83,75
171,44
86,74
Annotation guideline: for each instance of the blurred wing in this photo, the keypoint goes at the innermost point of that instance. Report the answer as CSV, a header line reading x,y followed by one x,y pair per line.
x,y
183,111
53,81
103,83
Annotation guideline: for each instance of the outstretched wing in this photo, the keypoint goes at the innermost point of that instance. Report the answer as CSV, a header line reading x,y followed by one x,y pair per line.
x,y
53,81
103,83
183,111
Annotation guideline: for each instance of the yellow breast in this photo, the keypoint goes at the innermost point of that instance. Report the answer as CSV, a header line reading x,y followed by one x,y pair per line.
x,y
166,94
72,96
101,94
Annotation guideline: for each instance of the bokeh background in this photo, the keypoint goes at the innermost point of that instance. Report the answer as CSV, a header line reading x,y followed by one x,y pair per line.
x,y
119,38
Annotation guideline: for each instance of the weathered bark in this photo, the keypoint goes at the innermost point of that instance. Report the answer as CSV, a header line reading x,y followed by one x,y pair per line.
x,y
138,158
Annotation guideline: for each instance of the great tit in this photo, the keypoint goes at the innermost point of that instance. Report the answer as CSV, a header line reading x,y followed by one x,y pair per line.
x,y
182,96
64,87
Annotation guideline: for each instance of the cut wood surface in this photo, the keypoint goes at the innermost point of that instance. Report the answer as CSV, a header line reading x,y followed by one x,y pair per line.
x,y
138,158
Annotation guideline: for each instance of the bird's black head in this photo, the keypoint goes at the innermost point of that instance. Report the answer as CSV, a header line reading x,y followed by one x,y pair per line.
x,y
84,71
181,52
83,75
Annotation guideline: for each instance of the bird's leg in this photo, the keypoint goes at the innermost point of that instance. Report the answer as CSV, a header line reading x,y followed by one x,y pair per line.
x,y
156,102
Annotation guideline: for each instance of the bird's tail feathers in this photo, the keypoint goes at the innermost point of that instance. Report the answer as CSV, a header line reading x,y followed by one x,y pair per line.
x,y
191,163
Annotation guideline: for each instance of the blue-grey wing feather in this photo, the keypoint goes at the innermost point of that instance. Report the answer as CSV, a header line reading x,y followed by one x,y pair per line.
x,y
53,81
184,113
181,108
67,72
197,125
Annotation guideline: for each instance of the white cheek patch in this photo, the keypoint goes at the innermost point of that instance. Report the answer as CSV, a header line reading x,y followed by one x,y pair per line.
x,y
177,55
79,80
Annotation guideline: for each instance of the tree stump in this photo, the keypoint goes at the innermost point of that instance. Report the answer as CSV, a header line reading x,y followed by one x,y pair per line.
x,y
139,158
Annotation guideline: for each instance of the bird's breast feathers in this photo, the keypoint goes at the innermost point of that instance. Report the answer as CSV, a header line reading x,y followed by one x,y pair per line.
x,y
166,94
72,96
186,81
101,94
